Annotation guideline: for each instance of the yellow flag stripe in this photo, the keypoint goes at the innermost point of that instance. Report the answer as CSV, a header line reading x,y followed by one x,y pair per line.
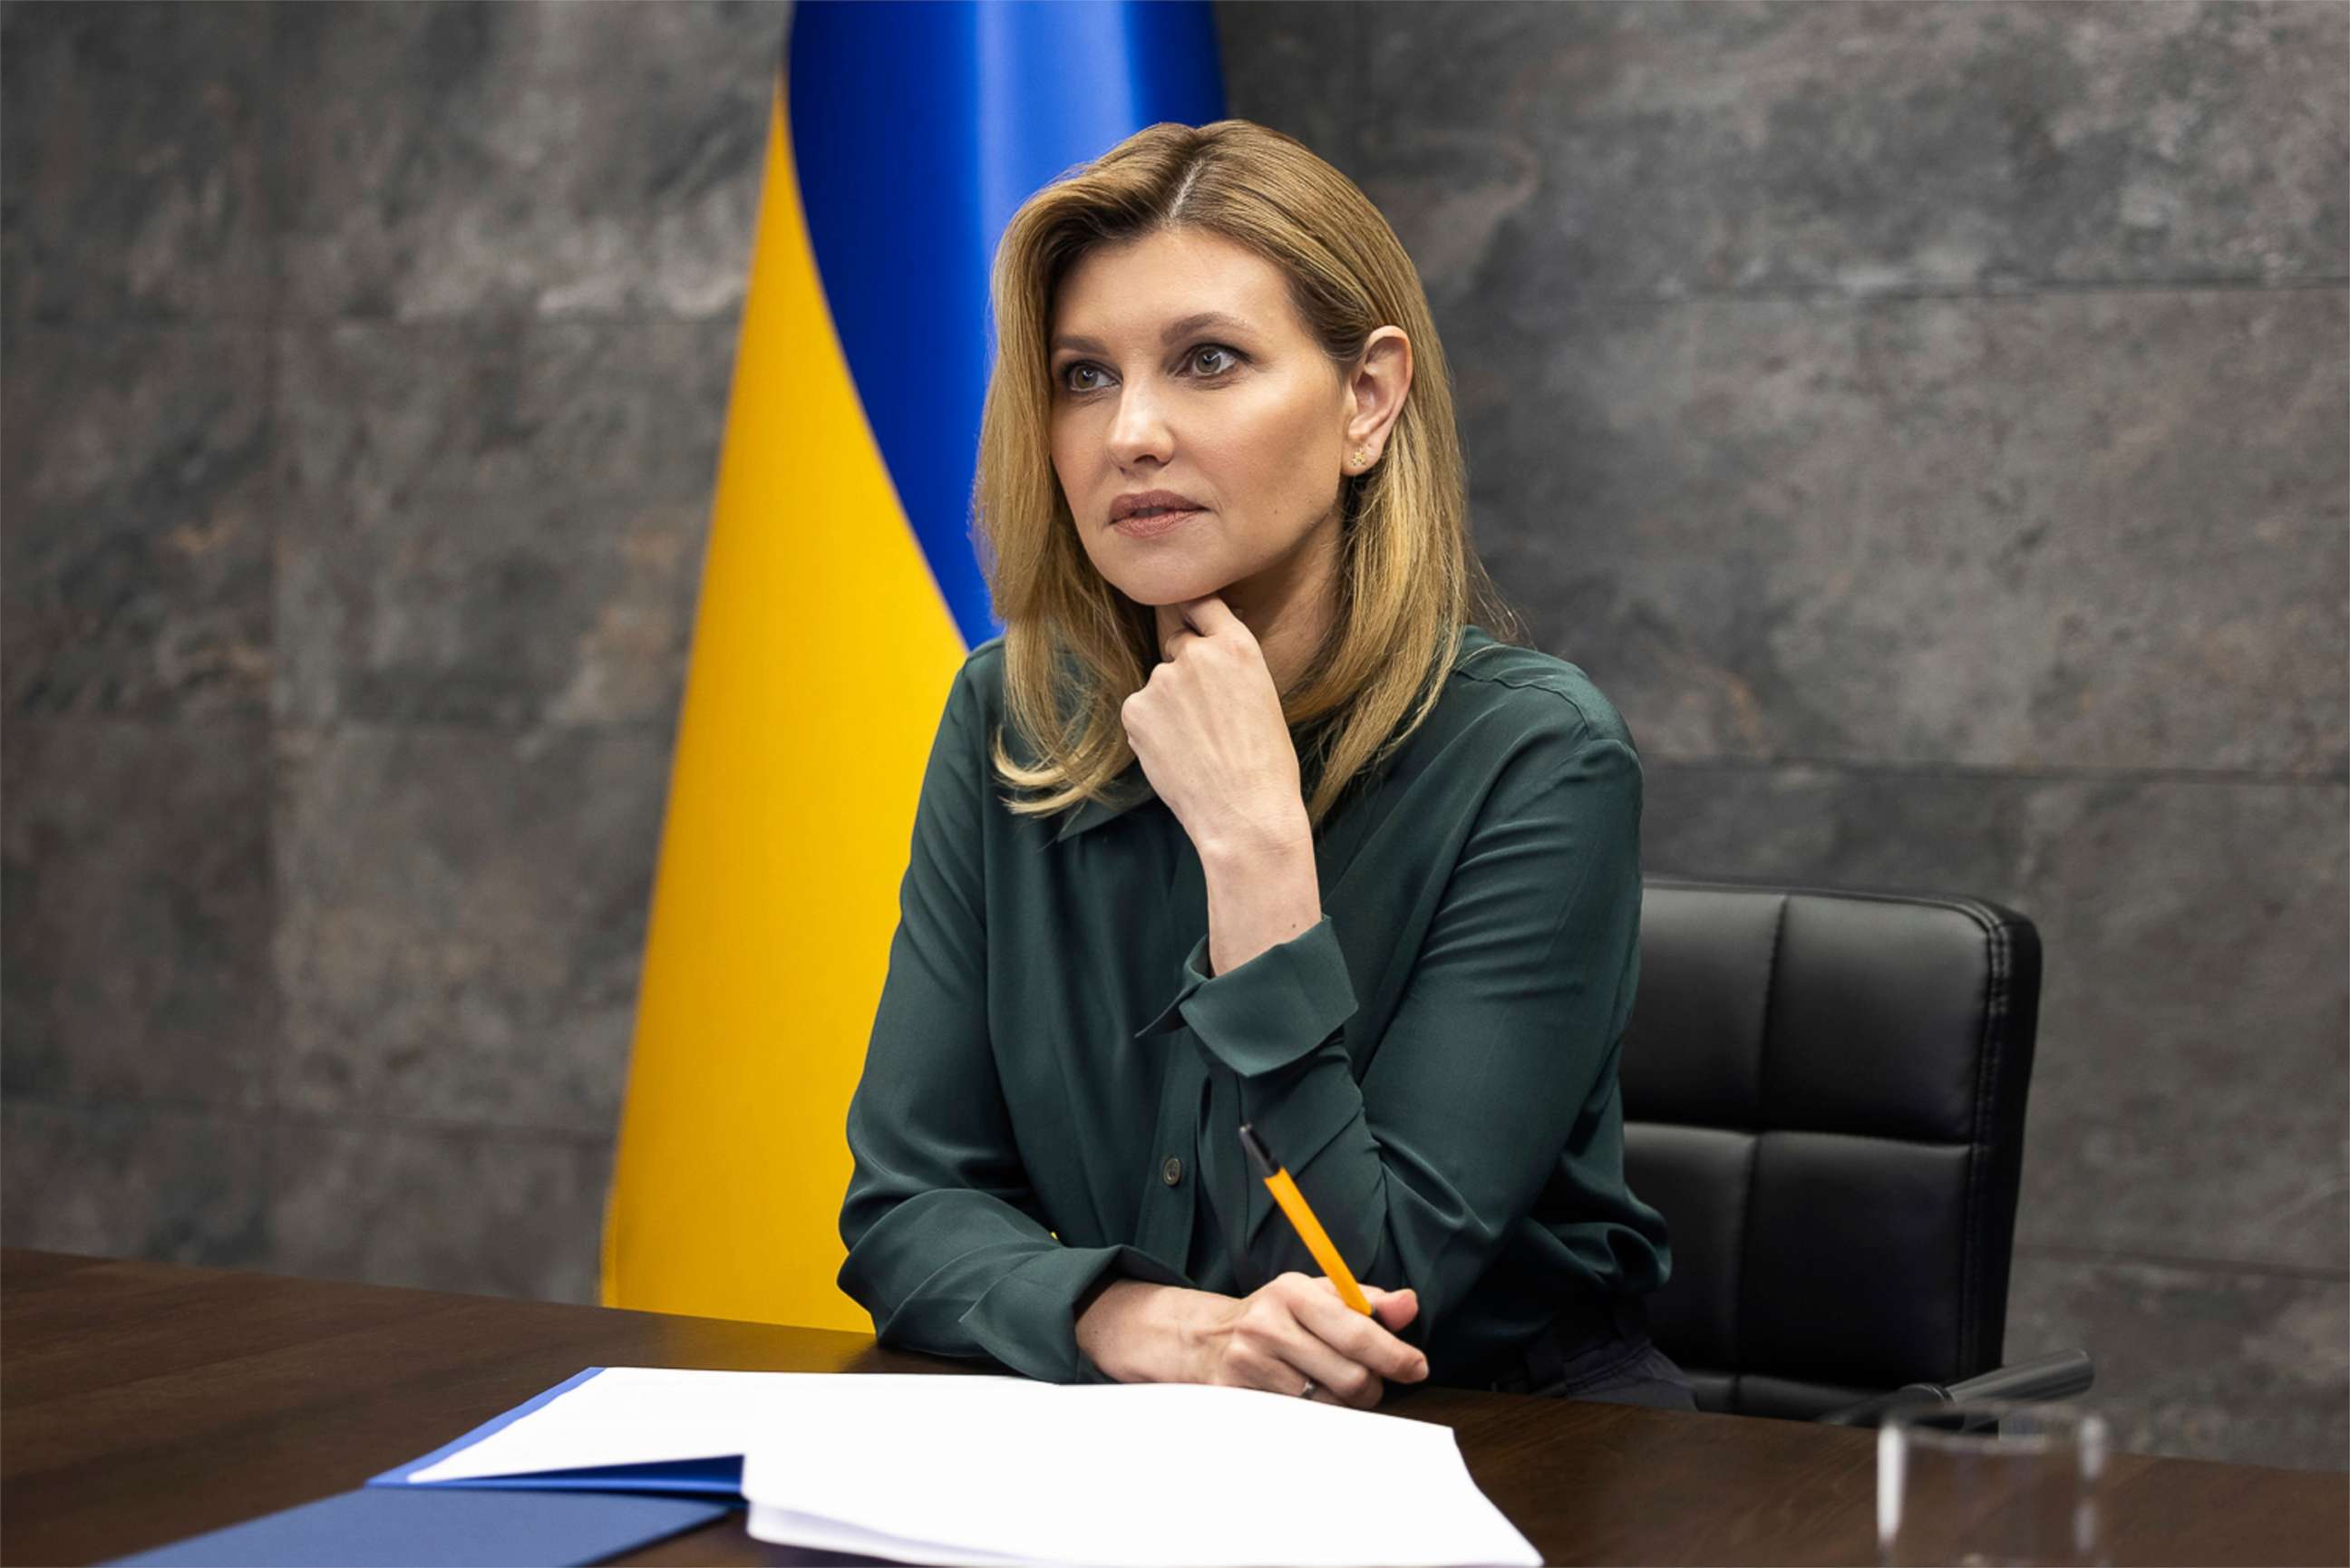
x,y
822,656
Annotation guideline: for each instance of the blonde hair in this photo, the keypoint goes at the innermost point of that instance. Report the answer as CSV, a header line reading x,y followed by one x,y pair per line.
x,y
1408,578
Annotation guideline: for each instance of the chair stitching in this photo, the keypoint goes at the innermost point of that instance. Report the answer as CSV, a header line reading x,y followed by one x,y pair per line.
x,y
1906,1140
1995,1007
1754,1152
1893,1139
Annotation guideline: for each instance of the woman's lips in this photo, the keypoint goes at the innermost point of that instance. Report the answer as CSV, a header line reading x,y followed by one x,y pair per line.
x,y
1150,527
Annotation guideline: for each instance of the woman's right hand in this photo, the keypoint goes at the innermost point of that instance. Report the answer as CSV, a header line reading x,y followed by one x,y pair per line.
x,y
1295,1327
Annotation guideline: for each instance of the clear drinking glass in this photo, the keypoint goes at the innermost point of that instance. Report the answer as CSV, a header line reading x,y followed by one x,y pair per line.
x,y
1990,1483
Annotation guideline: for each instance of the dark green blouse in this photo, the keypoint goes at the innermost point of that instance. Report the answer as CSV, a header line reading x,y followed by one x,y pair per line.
x,y
1053,1090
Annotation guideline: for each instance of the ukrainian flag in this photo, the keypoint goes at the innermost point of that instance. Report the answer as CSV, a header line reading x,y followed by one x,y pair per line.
x,y
839,594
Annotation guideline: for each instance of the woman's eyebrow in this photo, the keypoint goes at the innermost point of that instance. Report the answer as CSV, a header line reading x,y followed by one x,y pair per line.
x,y
1189,323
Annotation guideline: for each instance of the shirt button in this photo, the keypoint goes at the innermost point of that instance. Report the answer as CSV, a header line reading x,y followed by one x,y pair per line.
x,y
1172,1171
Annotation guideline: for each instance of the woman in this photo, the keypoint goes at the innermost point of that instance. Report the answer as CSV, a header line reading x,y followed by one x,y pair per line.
x,y
1244,770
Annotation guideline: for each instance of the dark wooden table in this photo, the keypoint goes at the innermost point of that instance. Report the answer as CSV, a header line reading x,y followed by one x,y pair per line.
x,y
143,1402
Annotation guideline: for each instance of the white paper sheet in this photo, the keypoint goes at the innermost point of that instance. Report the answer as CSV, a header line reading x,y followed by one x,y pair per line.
x,y
985,1471
625,1416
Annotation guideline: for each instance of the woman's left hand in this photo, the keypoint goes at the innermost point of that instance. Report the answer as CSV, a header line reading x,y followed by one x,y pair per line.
x,y
1208,730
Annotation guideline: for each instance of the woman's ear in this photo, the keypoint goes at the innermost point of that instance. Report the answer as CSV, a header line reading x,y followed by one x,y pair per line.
x,y
1375,389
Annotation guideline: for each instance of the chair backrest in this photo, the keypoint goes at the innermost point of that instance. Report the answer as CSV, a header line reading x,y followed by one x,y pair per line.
x,y
1823,1096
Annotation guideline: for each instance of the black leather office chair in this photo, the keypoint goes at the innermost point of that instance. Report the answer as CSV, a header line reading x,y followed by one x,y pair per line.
x,y
1824,1095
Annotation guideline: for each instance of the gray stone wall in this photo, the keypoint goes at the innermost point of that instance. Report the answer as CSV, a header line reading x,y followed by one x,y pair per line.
x,y
1928,422
364,377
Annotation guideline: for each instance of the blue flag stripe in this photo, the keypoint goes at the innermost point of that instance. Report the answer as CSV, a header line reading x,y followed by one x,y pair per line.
x,y
918,130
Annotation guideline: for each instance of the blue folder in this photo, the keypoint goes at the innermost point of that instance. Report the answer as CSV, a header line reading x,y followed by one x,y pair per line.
x,y
433,1527
559,1518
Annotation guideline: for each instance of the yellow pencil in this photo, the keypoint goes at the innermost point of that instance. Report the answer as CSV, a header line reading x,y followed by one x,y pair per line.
x,y
1292,1203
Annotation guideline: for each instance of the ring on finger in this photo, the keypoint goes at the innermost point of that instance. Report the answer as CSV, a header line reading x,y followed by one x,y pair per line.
x,y
1307,1392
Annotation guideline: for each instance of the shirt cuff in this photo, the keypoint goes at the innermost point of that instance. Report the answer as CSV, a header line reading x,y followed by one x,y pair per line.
x,y
1270,1011
1027,1319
